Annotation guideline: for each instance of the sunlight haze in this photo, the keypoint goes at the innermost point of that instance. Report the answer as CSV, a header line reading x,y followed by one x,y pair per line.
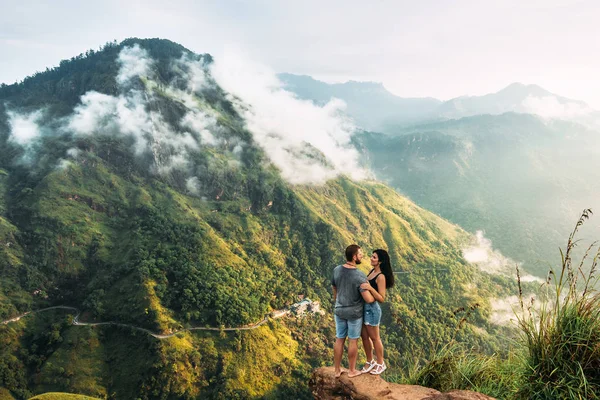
x,y
436,49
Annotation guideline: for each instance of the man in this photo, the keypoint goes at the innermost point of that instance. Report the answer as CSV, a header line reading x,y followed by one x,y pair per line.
x,y
349,300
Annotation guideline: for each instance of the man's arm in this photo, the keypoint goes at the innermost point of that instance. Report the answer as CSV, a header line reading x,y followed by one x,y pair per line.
x,y
334,293
378,294
367,296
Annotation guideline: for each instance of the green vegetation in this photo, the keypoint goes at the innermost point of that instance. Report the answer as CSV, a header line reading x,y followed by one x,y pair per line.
x,y
62,396
563,335
557,355
108,234
5,394
456,367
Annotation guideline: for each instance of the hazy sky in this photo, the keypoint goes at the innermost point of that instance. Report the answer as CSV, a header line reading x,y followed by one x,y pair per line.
x,y
438,48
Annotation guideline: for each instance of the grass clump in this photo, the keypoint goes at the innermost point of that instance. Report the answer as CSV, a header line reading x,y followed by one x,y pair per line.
x,y
455,367
562,335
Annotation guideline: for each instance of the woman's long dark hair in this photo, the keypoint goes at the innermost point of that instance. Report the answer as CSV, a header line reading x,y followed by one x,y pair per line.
x,y
386,267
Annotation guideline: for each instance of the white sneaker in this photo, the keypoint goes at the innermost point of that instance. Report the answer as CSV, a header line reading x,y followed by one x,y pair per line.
x,y
368,366
379,368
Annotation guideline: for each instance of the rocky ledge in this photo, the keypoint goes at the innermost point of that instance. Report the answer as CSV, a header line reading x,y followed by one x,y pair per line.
x,y
325,386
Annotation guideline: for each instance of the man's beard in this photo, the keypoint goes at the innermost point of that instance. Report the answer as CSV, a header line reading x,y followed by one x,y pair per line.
x,y
358,262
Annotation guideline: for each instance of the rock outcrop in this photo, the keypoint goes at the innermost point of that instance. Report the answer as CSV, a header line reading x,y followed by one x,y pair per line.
x,y
325,386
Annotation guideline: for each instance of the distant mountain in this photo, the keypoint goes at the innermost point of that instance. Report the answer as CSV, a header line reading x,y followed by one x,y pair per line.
x,y
370,104
375,109
521,179
519,98
519,164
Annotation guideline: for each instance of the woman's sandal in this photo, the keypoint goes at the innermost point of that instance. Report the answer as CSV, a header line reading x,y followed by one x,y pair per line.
x,y
368,366
379,368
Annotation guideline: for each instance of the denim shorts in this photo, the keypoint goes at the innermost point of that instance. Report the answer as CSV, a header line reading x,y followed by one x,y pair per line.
x,y
347,327
372,314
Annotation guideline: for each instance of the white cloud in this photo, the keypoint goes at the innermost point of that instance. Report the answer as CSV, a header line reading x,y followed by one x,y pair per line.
x,y
24,127
193,185
551,107
309,144
200,122
482,253
289,129
133,61
531,278
506,310
94,113
503,310
194,72
63,164
108,115
73,152
128,115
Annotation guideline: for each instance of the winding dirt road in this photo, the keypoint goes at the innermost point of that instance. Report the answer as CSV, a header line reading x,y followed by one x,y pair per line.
x,y
76,322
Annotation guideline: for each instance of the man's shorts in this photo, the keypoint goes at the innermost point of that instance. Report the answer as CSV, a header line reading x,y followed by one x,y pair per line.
x,y
347,327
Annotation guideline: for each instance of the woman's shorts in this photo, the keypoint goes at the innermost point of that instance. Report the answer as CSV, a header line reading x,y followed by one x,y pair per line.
x,y
372,315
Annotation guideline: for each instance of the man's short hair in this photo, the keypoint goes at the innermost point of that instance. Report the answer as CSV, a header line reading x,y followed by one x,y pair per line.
x,y
351,251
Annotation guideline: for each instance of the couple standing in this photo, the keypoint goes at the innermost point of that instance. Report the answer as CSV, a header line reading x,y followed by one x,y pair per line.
x,y
357,311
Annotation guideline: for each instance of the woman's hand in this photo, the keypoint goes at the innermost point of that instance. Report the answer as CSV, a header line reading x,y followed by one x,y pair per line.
x,y
366,286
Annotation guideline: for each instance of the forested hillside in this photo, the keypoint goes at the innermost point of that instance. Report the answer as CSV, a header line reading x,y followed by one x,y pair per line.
x,y
133,188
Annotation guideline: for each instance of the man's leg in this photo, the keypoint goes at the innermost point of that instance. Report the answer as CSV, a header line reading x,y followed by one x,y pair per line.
x,y
341,331
352,355
338,352
354,329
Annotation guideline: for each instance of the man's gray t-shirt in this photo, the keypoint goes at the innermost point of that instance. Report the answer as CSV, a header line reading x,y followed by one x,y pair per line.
x,y
349,302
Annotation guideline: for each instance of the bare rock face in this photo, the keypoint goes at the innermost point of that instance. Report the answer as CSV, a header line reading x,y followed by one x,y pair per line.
x,y
325,386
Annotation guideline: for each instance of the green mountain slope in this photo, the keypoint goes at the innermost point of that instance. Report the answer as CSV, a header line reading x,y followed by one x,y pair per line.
x,y
61,396
132,226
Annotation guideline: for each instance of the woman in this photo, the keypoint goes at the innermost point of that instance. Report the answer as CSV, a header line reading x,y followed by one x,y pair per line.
x,y
380,278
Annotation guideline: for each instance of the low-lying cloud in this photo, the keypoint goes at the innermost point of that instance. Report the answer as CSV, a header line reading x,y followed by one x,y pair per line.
x,y
505,310
481,253
128,114
287,127
308,143
133,62
25,128
552,107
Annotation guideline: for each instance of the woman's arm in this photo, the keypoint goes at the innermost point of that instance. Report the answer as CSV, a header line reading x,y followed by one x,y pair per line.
x,y
379,293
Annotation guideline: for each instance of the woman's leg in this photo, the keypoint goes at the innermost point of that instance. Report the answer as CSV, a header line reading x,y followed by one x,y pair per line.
x,y
373,333
367,343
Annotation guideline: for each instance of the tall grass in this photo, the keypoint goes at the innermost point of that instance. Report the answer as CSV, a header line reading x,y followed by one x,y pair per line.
x,y
456,367
562,334
559,354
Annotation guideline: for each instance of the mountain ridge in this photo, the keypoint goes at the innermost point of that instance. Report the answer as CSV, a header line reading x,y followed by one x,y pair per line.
x,y
389,114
